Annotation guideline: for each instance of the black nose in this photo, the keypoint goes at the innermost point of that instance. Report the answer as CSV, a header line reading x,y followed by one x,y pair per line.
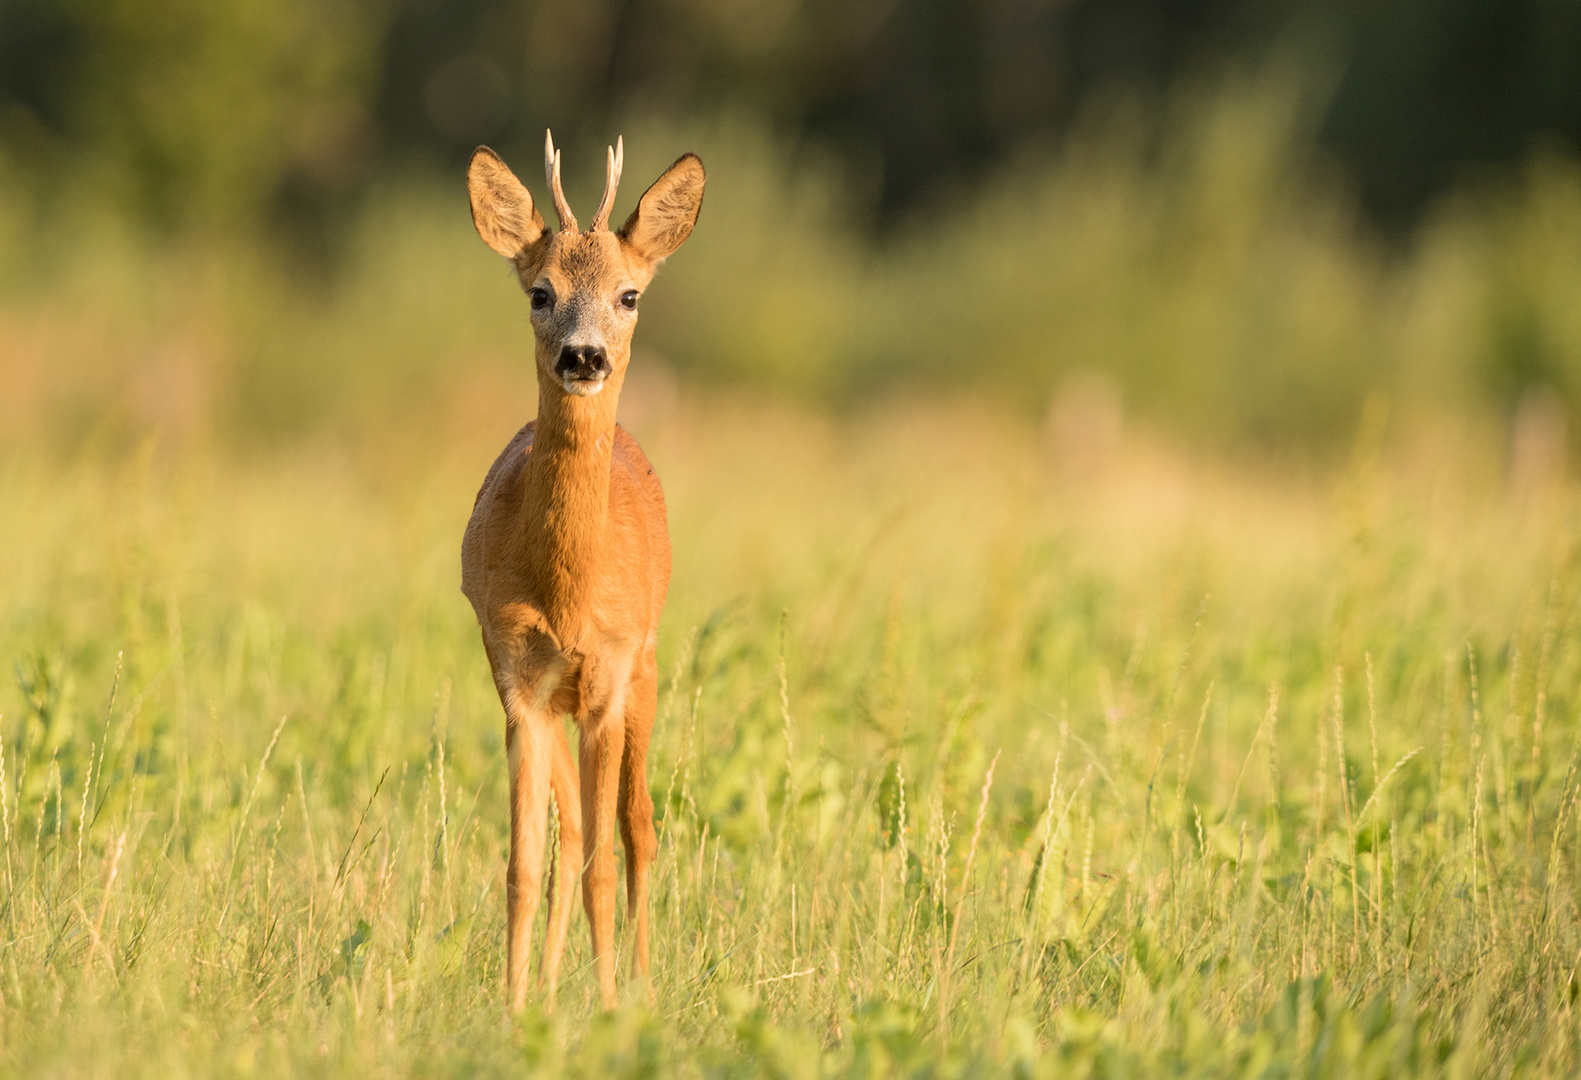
x,y
582,362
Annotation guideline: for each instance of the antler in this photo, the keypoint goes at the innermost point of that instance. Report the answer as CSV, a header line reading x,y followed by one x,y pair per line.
x,y
617,157
551,168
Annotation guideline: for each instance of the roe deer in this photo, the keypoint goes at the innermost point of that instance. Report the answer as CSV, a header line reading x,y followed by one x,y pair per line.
x,y
567,558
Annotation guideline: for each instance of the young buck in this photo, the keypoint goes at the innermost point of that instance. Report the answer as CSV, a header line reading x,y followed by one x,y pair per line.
x,y
567,558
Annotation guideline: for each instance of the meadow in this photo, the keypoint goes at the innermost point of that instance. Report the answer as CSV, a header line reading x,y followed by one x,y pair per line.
x,y
1174,673
969,761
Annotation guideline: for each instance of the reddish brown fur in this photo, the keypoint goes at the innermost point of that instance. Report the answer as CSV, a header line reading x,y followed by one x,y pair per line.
x,y
566,561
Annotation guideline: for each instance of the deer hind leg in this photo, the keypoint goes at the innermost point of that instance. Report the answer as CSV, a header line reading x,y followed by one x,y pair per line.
x,y
567,866
636,807
599,750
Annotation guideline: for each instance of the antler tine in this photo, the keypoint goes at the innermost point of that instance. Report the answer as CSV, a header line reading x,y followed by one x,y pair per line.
x,y
617,158
551,168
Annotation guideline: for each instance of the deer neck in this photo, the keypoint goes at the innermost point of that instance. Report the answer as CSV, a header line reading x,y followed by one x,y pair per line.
x,y
566,504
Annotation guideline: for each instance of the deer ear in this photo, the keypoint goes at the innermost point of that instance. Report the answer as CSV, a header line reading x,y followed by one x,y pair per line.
x,y
501,208
667,211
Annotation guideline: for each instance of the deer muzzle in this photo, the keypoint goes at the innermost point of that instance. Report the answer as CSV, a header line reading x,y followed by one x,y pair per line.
x,y
582,369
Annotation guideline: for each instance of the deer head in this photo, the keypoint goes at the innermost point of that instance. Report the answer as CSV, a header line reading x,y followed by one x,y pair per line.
x,y
583,287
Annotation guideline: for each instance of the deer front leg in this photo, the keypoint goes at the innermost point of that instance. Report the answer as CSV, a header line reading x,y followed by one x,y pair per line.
x,y
567,866
600,749
636,807
530,751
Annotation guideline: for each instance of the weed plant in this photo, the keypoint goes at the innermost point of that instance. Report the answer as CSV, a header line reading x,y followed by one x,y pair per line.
x,y
969,762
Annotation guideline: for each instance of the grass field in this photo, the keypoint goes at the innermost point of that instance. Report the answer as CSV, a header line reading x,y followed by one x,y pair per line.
x,y
980,751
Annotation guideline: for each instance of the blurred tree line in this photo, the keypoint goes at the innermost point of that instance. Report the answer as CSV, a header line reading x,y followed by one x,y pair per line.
x,y
1164,192
280,112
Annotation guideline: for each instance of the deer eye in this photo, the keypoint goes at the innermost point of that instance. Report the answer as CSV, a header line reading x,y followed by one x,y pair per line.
x,y
539,298
628,299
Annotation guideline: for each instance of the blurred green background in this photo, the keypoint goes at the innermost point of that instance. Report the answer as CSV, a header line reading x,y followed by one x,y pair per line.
x,y
1231,223
1165,400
